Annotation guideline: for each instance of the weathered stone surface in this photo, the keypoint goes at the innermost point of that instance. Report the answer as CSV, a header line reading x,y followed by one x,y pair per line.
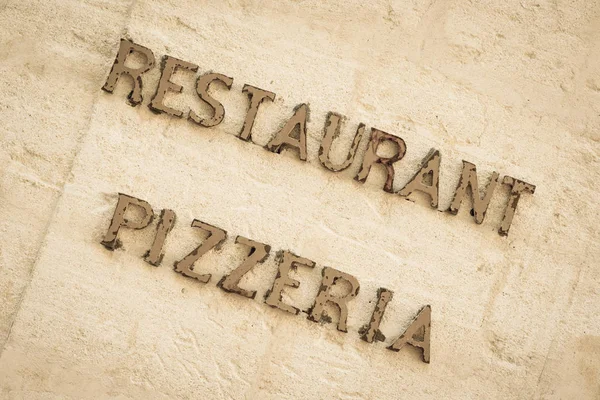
x,y
52,56
510,86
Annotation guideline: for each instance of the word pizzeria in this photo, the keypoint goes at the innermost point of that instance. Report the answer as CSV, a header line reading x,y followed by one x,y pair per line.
x,y
426,179
417,334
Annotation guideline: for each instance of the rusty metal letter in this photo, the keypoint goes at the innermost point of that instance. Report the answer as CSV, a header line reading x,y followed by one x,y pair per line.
x,y
429,167
330,276
256,97
332,131
155,255
287,261
125,49
258,254
283,137
371,157
469,178
517,188
417,335
169,66
215,238
111,240
371,331
202,84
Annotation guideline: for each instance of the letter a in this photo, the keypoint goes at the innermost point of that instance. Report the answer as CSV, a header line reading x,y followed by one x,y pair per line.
x,y
417,334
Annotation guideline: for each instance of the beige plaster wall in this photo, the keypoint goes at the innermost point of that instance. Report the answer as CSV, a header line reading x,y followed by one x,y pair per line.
x,y
512,86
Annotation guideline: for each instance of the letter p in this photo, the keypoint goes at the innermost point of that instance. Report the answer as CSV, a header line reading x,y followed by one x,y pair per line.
x,y
118,221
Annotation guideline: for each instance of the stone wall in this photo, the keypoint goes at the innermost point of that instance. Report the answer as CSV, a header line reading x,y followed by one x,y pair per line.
x,y
511,86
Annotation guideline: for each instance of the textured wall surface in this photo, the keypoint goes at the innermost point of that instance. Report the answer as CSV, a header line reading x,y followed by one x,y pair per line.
x,y
511,86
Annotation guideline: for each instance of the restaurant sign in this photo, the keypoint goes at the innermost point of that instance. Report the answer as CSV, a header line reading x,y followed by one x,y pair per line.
x,y
293,136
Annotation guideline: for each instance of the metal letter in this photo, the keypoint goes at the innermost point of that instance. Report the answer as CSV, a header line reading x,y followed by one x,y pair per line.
x,y
202,84
283,137
155,255
417,335
111,241
371,158
469,178
517,188
258,254
332,131
330,276
430,166
287,261
371,331
215,238
169,65
125,49
256,97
